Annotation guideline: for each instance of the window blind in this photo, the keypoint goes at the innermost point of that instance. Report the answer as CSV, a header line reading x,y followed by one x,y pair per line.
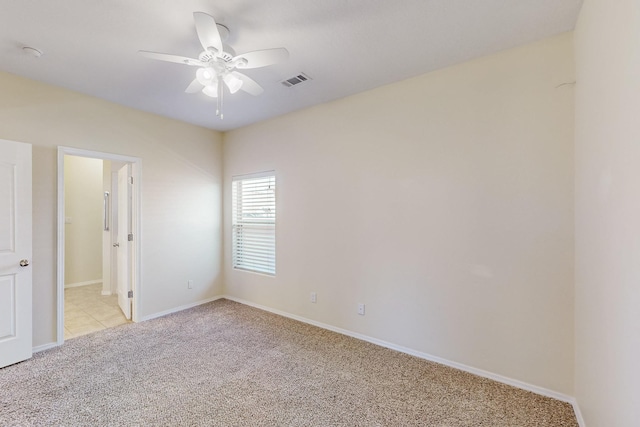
x,y
254,223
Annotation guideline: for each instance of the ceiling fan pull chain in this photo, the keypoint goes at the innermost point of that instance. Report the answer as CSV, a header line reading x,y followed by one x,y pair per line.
x,y
220,100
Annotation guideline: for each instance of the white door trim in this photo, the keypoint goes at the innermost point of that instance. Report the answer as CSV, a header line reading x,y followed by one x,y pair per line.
x,y
136,172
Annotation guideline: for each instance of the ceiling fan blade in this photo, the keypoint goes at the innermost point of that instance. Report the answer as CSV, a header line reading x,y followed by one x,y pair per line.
x,y
170,58
194,87
261,58
248,84
207,31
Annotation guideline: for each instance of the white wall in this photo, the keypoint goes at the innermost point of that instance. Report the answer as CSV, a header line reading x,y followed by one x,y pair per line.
x,y
181,190
83,220
608,212
443,202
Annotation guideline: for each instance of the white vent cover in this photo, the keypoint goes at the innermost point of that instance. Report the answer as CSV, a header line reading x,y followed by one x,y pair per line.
x,y
300,78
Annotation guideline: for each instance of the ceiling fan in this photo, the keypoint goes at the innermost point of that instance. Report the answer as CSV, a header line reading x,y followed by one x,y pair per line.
x,y
217,64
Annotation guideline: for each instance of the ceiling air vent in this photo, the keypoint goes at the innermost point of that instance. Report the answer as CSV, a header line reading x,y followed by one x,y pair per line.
x,y
300,78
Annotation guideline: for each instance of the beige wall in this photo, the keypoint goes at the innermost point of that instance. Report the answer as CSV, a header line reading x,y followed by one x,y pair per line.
x,y
443,202
181,190
608,212
83,220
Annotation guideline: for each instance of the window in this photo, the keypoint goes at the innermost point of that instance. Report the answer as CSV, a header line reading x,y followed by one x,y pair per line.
x,y
253,204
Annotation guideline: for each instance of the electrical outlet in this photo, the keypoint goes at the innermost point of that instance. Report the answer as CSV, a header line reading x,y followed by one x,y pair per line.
x,y
314,297
189,284
361,309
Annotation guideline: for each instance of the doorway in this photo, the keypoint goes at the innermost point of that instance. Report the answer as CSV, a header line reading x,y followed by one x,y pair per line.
x,y
98,241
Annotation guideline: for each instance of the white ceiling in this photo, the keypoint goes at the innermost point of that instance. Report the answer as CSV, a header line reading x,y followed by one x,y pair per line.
x,y
345,46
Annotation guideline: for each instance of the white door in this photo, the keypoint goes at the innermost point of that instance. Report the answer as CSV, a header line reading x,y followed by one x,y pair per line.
x,y
123,243
15,252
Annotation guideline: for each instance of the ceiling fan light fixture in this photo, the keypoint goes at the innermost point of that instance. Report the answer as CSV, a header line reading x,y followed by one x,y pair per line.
x,y
205,76
211,90
233,83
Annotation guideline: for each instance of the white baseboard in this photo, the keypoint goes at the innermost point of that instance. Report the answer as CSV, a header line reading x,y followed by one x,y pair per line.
x,y
180,308
43,347
576,410
78,284
105,293
482,373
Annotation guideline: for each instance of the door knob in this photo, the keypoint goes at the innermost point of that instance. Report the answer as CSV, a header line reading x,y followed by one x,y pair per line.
x,y
116,245
24,262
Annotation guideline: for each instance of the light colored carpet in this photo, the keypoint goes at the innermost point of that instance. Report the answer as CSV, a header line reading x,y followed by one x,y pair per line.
x,y
226,364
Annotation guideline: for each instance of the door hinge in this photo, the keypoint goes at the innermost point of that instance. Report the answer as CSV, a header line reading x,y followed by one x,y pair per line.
x,y
130,294
131,180
130,237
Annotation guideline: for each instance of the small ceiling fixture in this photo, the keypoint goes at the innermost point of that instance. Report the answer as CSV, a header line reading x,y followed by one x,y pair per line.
x,y
218,62
36,53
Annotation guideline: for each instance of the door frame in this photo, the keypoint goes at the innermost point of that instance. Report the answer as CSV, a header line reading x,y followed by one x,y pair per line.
x,y
136,228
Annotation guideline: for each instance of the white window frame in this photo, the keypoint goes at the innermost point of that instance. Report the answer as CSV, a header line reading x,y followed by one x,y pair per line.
x,y
253,222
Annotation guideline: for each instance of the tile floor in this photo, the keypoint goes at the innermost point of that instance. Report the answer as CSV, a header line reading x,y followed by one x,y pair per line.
x,y
86,310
